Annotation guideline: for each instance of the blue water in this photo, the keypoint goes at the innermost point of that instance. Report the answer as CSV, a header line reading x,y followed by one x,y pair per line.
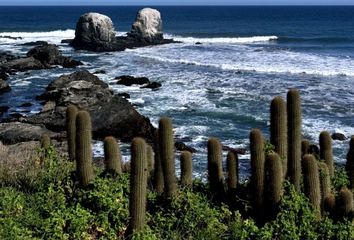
x,y
221,88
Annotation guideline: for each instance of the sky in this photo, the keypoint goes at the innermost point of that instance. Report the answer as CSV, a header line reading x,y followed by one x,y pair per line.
x,y
176,2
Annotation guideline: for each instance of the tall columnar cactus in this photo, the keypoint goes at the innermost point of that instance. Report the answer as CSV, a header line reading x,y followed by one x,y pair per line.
x,y
138,185
83,148
257,167
273,181
215,172
186,168
150,160
71,113
158,173
326,152
167,156
294,137
349,167
312,181
112,155
344,203
232,170
325,181
278,130
305,147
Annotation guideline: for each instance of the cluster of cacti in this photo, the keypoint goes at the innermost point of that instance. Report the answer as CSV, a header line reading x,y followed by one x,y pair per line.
x,y
294,137
278,130
112,155
83,148
186,168
257,167
138,185
215,172
326,151
167,157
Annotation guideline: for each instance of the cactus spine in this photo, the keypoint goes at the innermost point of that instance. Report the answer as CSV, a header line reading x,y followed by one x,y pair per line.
x,y
326,151
294,137
257,167
158,174
83,148
278,130
215,173
138,185
71,113
349,167
186,168
232,170
312,181
167,155
344,202
112,155
274,181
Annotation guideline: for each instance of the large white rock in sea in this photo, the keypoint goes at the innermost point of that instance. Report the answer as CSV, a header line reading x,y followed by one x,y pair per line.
x,y
147,26
94,30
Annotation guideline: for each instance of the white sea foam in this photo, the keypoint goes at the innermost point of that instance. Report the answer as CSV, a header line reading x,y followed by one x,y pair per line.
x,y
225,40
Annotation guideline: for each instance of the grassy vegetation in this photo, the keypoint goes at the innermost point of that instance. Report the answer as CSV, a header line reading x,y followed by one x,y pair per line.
x,y
46,202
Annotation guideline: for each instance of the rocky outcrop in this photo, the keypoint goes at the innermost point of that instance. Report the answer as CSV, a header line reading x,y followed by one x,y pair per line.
x,y
95,32
22,64
147,26
127,80
49,55
338,136
110,114
4,86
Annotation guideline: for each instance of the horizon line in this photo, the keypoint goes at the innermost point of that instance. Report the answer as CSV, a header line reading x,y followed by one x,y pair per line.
x,y
173,5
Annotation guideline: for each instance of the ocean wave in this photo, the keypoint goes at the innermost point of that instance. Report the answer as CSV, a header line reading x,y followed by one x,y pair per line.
x,y
229,40
322,40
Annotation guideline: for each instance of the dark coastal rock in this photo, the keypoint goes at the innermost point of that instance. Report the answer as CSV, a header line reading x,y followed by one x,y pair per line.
x,y
27,104
95,32
3,109
49,54
36,43
152,85
3,75
66,41
15,132
125,95
180,146
5,57
198,43
239,151
147,26
9,37
338,136
111,114
22,64
130,80
4,86
100,72
314,149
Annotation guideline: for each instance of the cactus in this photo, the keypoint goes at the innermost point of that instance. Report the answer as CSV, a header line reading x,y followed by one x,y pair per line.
x,y
215,172
325,181
186,168
326,153
329,204
138,185
45,141
257,167
312,181
150,160
349,167
166,143
305,147
278,130
71,113
273,181
83,148
112,155
344,203
158,174
232,170
294,137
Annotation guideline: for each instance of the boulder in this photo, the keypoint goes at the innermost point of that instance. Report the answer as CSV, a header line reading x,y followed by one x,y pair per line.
x,y
49,54
22,64
94,32
130,80
180,146
4,86
15,132
152,85
110,114
5,57
147,26
338,136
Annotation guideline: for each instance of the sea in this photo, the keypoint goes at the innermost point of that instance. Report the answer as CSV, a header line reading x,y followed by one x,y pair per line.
x,y
220,88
